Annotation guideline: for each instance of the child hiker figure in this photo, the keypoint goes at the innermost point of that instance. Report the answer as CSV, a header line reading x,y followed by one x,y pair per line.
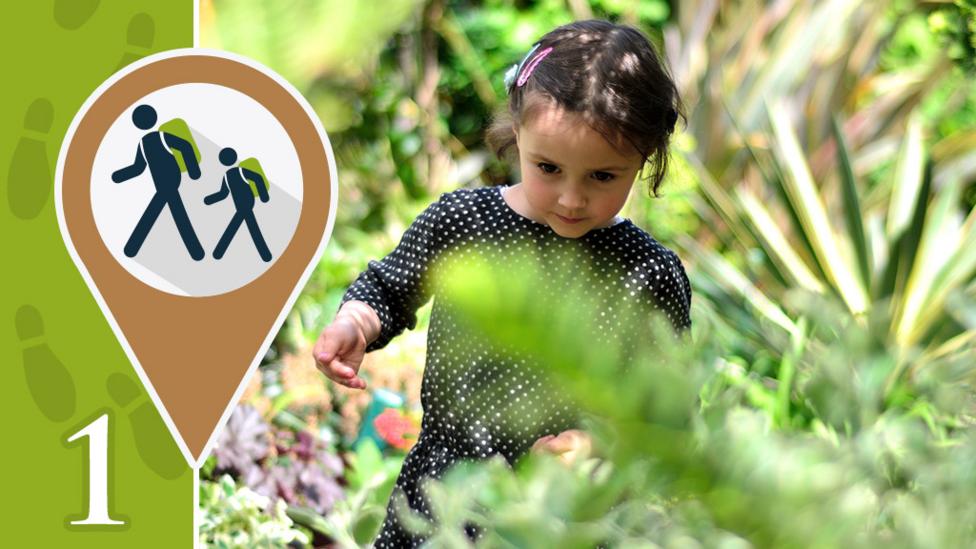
x,y
589,105
235,183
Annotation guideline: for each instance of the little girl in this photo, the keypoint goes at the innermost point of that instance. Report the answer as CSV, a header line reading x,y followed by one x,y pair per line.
x,y
589,105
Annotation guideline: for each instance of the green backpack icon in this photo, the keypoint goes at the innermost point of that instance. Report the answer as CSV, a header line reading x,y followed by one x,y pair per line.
x,y
179,128
255,166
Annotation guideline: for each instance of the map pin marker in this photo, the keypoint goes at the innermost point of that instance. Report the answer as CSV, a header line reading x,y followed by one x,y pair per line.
x,y
175,153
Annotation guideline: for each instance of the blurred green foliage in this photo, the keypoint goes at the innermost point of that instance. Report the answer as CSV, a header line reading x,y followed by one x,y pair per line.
x,y
956,24
825,454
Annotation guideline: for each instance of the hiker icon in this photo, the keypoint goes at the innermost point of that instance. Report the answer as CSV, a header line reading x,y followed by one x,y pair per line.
x,y
236,184
154,152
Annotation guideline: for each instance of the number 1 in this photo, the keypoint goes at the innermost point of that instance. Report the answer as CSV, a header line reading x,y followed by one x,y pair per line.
x,y
97,433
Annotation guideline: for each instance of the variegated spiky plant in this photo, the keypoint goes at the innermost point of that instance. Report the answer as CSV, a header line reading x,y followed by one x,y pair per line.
x,y
811,154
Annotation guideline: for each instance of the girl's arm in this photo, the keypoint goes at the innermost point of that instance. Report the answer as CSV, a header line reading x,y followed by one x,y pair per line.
x,y
363,316
396,286
682,314
672,293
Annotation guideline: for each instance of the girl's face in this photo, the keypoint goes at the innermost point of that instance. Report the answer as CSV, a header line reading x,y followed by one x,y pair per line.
x,y
573,179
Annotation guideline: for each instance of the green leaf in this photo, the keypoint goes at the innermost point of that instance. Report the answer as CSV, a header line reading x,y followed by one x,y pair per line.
x,y
907,182
734,281
798,41
959,266
369,462
775,243
805,198
940,238
787,370
852,206
720,201
773,176
367,524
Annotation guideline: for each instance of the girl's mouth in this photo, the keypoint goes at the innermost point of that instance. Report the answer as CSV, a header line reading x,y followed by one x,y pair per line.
x,y
570,220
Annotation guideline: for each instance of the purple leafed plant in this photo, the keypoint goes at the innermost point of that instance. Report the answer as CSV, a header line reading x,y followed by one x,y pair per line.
x,y
244,440
300,471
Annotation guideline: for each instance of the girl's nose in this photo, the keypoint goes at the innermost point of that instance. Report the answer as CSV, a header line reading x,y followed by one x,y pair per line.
x,y
572,200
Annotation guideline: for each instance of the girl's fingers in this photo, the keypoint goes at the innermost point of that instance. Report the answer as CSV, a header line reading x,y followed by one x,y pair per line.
x,y
334,370
343,371
558,446
327,351
565,442
328,355
352,383
542,443
345,375
332,343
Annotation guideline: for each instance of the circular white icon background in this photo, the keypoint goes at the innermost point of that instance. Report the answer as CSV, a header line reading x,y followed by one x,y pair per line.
x,y
217,117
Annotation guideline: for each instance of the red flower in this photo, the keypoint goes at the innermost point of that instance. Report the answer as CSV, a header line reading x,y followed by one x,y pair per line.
x,y
396,428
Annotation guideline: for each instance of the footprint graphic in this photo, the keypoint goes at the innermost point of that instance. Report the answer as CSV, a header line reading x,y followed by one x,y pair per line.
x,y
49,382
139,38
29,176
153,440
71,14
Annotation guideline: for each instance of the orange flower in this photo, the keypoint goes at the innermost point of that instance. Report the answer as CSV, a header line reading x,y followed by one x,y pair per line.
x,y
396,428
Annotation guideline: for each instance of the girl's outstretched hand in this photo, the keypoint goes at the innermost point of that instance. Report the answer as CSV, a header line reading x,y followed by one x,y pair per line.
x,y
568,446
341,346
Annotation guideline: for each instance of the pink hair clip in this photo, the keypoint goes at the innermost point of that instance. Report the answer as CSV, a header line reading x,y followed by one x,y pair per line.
x,y
527,72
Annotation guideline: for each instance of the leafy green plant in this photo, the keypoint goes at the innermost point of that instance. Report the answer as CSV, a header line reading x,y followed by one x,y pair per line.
x,y
698,449
234,517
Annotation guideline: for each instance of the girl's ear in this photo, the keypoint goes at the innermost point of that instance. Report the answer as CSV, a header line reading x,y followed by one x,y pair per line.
x,y
515,131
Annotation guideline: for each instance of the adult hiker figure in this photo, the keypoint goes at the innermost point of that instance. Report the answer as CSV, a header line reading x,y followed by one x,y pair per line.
x,y
235,183
154,153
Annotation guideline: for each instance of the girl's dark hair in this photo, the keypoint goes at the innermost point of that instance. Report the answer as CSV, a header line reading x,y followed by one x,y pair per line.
x,y
609,74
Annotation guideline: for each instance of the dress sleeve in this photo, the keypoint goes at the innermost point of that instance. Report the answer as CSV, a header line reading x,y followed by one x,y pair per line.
x,y
396,286
674,296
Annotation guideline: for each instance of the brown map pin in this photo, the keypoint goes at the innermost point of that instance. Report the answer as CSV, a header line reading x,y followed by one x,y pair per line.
x,y
195,192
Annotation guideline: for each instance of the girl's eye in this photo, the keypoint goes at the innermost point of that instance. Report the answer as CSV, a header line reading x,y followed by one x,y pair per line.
x,y
547,167
603,176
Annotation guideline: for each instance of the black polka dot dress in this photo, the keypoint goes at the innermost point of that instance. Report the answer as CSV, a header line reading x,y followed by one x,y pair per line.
x,y
472,389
